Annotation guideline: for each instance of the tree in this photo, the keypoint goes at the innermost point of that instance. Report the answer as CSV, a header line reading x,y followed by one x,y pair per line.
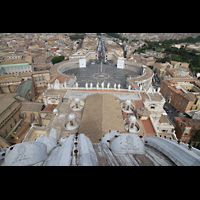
x,y
57,59
77,36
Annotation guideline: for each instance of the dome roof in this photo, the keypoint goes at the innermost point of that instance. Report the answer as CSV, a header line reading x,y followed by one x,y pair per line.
x,y
71,116
127,143
178,153
26,153
76,100
49,141
109,136
62,140
55,110
132,118
128,102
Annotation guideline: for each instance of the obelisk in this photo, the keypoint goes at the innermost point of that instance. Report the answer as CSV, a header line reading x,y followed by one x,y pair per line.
x,y
101,68
101,75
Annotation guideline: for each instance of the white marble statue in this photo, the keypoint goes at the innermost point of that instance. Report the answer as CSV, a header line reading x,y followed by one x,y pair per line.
x,y
91,85
76,85
108,85
65,84
119,86
102,85
86,86
129,87
97,86
49,86
115,86
56,84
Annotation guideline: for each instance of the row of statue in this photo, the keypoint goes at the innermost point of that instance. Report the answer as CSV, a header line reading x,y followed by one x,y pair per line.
x,y
102,86
57,85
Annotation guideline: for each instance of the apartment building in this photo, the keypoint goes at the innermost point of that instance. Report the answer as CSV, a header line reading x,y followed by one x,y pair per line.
x,y
9,117
25,91
9,82
40,78
180,95
177,64
186,129
15,68
143,59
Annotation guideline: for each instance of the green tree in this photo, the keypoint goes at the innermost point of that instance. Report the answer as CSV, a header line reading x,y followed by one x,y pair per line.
x,y
77,36
57,59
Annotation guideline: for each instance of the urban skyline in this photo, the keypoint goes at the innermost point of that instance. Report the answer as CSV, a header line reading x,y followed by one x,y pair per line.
x,y
99,99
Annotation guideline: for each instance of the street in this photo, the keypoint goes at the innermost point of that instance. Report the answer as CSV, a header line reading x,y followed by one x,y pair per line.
x,y
172,112
101,50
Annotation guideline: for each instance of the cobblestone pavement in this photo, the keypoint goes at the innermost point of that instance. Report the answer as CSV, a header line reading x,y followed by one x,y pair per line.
x,y
111,73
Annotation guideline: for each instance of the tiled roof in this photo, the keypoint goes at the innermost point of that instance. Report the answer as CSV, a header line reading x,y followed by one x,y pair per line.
x,y
24,87
6,100
102,112
148,127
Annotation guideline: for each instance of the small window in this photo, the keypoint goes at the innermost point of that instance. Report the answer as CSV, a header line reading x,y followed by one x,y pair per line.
x,y
6,132
10,125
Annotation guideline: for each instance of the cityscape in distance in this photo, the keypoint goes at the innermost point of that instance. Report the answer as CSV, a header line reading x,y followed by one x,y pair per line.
x,y
99,99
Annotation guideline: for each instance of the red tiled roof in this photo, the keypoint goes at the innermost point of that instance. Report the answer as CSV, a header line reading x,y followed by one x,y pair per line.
x,y
182,79
148,127
138,104
175,90
170,71
49,107
186,124
61,78
133,84
52,77
179,119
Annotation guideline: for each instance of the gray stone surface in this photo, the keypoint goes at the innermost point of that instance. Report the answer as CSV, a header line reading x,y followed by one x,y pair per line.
x,y
111,73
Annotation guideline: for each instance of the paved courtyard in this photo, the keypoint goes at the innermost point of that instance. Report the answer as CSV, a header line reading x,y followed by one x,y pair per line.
x,y
111,74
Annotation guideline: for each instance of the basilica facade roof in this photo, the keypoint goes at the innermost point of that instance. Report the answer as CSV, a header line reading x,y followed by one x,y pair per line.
x,y
102,112
113,149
